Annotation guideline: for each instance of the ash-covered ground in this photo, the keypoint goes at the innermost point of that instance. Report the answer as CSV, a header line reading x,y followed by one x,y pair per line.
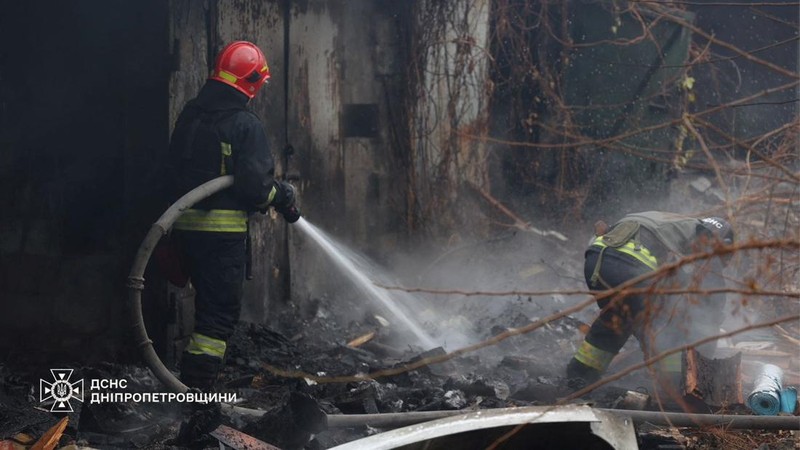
x,y
344,334
332,356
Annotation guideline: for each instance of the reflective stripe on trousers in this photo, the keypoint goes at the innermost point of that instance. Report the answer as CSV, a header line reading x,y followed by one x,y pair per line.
x,y
200,344
218,220
591,356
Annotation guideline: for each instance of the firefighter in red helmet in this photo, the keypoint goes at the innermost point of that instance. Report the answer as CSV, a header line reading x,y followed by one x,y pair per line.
x,y
242,66
216,135
637,245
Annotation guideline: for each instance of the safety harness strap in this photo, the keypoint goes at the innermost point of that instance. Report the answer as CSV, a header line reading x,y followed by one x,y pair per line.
x,y
596,272
226,151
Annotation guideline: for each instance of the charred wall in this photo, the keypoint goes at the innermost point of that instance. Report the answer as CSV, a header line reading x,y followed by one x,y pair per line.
x,y
89,93
82,113
336,70
197,32
345,76
450,97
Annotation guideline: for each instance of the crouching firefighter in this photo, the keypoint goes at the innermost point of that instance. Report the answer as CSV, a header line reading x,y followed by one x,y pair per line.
x,y
216,135
636,245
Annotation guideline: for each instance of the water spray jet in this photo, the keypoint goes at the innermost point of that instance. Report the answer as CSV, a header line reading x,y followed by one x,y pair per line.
x,y
336,253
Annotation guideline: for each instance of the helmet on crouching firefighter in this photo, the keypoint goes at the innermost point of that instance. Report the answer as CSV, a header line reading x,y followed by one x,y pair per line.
x,y
717,231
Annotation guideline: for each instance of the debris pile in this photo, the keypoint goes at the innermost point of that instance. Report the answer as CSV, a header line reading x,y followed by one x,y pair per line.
x,y
298,379
325,362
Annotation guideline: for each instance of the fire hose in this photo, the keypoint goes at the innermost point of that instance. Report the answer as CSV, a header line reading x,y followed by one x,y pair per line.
x,y
135,286
135,282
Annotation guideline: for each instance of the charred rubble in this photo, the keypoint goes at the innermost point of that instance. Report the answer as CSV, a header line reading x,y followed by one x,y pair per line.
x,y
292,405
264,368
324,360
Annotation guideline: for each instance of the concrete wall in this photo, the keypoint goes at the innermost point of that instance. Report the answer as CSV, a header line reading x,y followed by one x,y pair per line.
x,y
344,70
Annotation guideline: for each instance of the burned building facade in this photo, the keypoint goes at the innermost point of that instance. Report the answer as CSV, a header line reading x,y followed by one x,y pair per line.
x,y
379,112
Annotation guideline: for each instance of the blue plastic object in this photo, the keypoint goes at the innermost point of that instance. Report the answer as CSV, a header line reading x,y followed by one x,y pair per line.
x,y
765,399
788,400
765,403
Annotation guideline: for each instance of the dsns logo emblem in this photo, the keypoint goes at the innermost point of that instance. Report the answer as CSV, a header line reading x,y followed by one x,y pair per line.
x,y
715,223
61,390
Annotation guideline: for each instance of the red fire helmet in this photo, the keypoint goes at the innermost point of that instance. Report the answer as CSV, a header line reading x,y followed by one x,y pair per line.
x,y
243,66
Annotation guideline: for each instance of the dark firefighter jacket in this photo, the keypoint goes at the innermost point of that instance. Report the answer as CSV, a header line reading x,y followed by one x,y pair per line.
x,y
658,237
662,238
651,238
216,135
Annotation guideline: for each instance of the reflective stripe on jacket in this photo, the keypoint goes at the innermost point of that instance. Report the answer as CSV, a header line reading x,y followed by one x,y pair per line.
x,y
639,251
216,220
216,135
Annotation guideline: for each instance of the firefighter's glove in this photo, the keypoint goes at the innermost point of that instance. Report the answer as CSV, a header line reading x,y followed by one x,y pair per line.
x,y
284,202
291,214
284,195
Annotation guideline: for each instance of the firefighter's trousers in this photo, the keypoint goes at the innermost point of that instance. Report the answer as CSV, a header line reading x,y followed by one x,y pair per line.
x,y
216,266
656,321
